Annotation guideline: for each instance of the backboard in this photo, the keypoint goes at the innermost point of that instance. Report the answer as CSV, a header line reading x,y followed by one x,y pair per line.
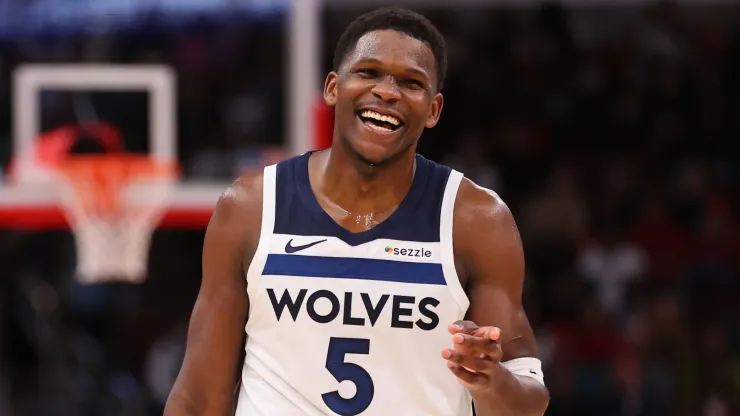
x,y
26,205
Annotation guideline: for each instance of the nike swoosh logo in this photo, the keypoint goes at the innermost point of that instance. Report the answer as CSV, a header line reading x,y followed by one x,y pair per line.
x,y
292,249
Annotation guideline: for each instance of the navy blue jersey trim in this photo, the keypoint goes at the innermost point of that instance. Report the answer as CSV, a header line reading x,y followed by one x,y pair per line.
x,y
406,207
354,268
297,212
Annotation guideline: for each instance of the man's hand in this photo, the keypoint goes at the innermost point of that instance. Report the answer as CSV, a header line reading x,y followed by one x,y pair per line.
x,y
476,355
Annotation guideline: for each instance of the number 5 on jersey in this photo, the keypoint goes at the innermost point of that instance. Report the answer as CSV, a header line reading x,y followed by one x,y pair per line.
x,y
341,370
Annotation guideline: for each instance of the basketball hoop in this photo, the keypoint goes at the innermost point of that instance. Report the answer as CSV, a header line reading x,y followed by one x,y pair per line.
x,y
113,203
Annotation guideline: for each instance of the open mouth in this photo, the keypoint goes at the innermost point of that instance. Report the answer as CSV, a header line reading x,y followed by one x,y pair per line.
x,y
379,122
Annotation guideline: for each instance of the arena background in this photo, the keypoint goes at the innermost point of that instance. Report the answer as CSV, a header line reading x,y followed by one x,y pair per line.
x,y
606,126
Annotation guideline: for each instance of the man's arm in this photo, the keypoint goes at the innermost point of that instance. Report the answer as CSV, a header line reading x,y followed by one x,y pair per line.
x,y
491,263
205,385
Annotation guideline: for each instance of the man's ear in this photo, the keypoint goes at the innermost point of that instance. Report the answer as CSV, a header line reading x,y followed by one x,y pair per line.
x,y
330,89
437,104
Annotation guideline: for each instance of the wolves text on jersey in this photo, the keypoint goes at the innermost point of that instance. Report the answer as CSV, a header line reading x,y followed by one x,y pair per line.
x,y
400,306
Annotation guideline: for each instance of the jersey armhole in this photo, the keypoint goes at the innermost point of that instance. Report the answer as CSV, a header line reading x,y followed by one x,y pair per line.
x,y
254,272
446,223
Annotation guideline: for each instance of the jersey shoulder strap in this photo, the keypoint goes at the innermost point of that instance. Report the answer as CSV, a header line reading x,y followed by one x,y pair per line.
x,y
254,271
446,224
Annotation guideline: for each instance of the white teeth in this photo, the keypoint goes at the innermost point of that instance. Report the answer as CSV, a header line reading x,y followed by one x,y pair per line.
x,y
380,117
378,128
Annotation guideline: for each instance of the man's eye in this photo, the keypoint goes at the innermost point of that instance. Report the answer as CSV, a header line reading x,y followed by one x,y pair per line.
x,y
369,73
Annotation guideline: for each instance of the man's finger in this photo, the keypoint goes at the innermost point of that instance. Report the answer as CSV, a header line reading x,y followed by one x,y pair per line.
x,y
474,343
465,375
467,327
474,363
493,333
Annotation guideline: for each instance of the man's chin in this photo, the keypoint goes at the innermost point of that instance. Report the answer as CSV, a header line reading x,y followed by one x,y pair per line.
x,y
376,153
372,156
373,162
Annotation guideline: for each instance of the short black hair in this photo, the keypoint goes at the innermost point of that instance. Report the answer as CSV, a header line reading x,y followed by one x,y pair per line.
x,y
400,20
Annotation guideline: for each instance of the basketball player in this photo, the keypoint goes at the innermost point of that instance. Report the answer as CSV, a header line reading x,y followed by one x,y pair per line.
x,y
377,282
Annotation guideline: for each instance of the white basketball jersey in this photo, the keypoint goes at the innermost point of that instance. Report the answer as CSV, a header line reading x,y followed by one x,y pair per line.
x,y
344,323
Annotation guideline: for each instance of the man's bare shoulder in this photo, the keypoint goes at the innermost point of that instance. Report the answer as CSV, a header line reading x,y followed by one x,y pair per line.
x,y
485,235
244,194
477,206
239,208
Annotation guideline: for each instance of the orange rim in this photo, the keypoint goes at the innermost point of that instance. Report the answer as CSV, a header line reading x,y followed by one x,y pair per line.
x,y
98,179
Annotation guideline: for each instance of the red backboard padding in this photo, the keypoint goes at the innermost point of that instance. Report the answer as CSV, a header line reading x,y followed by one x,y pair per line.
x,y
324,124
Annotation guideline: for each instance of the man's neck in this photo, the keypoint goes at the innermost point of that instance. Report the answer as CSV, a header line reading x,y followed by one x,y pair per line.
x,y
355,186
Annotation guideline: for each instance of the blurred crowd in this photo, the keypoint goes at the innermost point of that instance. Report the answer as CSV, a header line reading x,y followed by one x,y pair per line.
x,y
607,131
230,85
610,136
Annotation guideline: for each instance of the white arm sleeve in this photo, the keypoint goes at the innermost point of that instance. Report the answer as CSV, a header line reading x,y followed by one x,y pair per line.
x,y
527,367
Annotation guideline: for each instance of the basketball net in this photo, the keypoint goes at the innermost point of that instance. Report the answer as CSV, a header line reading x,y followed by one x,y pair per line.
x,y
113,204
112,201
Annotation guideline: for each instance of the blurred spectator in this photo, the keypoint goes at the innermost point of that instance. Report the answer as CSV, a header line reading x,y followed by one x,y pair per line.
x,y
665,243
557,216
612,264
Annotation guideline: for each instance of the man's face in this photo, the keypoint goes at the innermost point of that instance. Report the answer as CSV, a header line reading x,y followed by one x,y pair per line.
x,y
384,95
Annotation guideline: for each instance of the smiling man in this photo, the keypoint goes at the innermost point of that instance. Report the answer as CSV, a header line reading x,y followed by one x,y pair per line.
x,y
371,280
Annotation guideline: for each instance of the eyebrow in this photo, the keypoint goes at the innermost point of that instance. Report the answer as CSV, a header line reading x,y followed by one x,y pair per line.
x,y
416,71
